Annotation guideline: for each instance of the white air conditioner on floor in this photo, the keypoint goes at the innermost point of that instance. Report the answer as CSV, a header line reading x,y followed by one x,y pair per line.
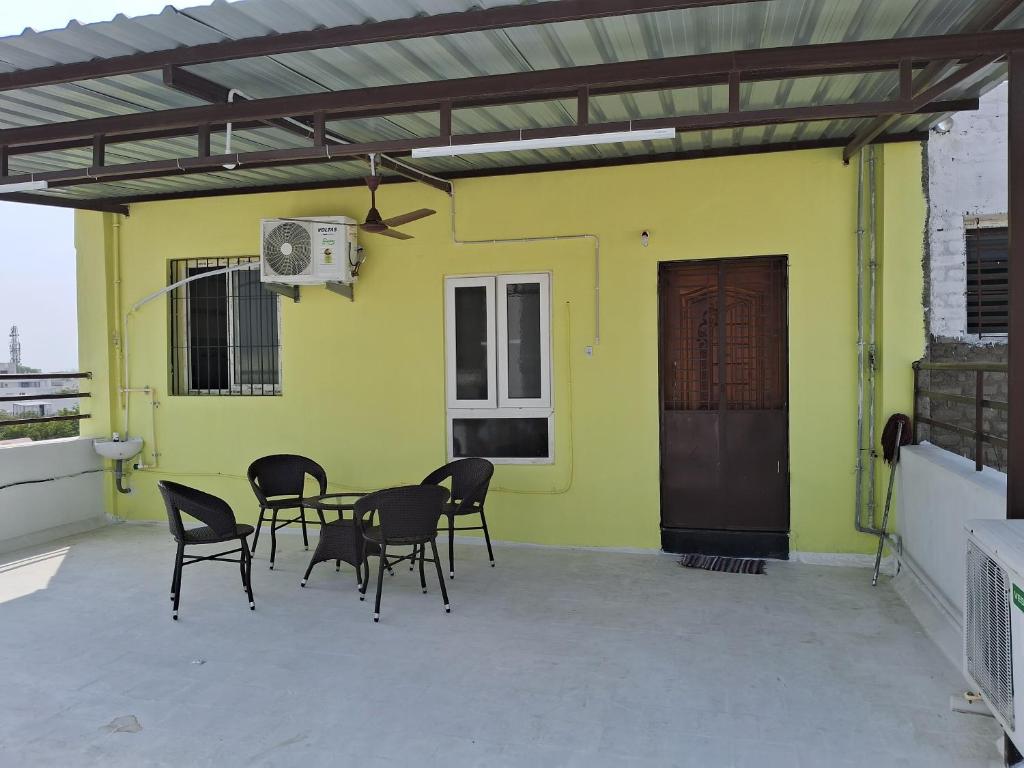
x,y
994,619
308,251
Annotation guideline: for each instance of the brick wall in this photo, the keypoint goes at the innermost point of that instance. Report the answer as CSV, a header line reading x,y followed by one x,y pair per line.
x,y
967,178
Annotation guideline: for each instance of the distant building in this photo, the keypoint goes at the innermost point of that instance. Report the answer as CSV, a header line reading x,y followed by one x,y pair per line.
x,y
35,388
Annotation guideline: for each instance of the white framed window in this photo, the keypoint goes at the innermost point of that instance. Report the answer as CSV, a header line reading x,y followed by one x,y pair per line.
x,y
498,368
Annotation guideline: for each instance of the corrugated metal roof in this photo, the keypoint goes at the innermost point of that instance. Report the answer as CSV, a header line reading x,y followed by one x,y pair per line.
x,y
616,39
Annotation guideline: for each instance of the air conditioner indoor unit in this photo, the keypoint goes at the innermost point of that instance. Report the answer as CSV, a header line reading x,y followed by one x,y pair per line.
x,y
308,251
994,619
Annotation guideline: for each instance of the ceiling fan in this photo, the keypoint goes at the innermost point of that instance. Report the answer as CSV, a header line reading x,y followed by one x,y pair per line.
x,y
375,223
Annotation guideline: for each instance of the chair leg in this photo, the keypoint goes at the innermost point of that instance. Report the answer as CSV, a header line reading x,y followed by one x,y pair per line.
x,y
305,536
178,565
412,560
451,546
337,566
259,524
273,539
440,577
309,570
247,559
487,537
365,574
423,578
174,579
241,566
380,581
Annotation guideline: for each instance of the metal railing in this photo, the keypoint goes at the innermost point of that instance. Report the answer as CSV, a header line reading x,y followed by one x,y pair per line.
x,y
15,421
978,401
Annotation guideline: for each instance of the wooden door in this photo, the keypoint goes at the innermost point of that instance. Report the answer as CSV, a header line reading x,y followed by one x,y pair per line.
x,y
724,415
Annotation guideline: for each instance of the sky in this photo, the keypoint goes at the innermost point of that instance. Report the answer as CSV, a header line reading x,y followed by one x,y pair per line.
x,y
37,257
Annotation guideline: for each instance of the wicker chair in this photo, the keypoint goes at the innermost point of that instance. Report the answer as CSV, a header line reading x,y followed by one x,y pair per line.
x,y
404,516
220,526
278,483
470,479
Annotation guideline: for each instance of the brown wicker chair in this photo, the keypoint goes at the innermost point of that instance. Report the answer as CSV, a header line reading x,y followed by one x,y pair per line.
x,y
220,526
470,479
278,482
404,516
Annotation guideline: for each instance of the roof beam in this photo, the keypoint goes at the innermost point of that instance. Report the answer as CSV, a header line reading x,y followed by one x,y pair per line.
x,y
987,18
105,206
688,81
940,89
332,153
501,17
207,90
753,149
535,84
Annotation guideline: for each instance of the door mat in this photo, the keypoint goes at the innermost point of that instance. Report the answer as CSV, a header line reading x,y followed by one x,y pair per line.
x,y
723,564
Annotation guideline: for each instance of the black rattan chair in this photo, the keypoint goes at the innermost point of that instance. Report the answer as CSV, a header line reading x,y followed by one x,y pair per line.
x,y
278,482
470,479
220,526
404,516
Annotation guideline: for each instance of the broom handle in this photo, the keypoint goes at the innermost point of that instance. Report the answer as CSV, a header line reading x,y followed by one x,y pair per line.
x,y
888,500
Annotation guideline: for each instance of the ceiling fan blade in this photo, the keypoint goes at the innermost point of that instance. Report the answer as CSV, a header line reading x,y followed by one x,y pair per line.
x,y
408,218
395,234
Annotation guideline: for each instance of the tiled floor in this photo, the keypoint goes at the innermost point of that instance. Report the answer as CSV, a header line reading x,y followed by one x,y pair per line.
x,y
553,658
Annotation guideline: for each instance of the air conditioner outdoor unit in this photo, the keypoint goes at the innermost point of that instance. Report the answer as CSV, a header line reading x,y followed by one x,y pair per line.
x,y
308,251
994,619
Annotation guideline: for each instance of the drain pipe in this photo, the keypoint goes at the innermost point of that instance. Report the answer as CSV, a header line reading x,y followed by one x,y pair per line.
x,y
866,350
119,476
872,357
859,490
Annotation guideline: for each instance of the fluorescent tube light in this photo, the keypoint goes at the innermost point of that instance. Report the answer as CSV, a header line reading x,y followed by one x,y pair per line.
x,y
555,142
23,186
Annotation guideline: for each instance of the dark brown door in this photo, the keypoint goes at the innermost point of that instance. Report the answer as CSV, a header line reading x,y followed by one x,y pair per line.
x,y
724,422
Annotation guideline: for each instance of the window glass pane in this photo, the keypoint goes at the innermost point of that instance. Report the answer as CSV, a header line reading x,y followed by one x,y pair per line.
x,y
471,343
208,331
255,347
500,438
524,357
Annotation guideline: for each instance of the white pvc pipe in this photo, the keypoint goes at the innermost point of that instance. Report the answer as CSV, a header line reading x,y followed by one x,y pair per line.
x,y
126,388
545,239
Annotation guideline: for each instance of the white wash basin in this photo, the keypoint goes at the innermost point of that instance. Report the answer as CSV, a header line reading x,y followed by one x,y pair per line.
x,y
119,450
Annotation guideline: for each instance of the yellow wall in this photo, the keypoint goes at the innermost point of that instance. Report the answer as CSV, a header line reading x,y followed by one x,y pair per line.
x,y
364,381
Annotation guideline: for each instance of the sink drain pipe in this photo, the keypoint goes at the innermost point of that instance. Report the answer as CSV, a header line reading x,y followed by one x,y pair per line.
x,y
119,477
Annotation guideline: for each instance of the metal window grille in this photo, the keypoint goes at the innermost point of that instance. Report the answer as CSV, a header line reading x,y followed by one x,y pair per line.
x,y
225,331
987,280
